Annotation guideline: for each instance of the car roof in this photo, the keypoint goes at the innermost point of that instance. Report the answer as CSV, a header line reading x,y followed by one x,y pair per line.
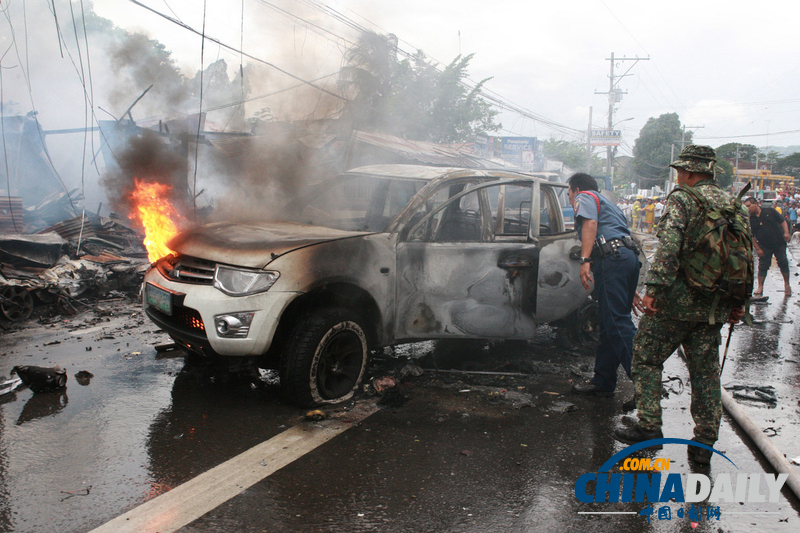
x,y
427,173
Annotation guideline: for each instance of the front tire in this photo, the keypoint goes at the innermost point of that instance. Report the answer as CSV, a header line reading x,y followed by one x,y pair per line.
x,y
324,358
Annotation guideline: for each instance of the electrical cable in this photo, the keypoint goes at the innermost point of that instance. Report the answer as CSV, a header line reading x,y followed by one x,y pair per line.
x,y
200,114
233,49
85,125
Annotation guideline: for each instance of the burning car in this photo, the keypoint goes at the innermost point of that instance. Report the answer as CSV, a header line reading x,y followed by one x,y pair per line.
x,y
379,255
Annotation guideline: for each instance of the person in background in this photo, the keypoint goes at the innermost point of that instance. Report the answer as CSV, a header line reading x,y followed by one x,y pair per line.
x,y
649,216
636,214
771,233
610,269
659,210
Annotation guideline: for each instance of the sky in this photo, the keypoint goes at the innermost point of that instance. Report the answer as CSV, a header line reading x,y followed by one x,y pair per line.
x,y
731,70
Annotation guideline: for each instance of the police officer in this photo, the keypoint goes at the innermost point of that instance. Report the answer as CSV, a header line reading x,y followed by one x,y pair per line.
x,y
676,314
610,269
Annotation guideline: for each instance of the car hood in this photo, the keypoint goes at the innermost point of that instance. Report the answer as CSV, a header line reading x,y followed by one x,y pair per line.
x,y
252,245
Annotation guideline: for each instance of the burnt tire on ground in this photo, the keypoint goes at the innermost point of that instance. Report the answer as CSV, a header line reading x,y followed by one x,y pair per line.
x,y
324,359
16,303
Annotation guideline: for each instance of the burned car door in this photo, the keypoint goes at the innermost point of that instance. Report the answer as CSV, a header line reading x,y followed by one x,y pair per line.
x,y
468,265
559,289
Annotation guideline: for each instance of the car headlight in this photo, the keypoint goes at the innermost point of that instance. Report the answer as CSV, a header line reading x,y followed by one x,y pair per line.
x,y
237,282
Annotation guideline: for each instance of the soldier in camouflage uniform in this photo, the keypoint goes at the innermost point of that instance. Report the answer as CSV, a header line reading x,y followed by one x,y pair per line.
x,y
676,314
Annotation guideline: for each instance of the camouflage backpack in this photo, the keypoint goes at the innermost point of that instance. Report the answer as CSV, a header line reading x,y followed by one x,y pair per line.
x,y
721,262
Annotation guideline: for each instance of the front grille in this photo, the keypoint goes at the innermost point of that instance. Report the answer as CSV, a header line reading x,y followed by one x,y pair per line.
x,y
184,319
188,318
187,269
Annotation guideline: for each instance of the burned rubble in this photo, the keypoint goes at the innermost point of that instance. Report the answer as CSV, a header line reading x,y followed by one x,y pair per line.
x,y
50,267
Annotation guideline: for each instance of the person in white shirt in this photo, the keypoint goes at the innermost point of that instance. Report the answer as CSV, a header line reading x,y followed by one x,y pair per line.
x,y
659,210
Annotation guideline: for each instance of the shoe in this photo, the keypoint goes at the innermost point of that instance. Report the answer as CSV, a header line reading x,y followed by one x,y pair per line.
x,y
590,388
629,405
636,434
700,456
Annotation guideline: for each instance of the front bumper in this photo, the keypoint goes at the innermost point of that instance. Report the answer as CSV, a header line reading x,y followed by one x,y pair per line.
x,y
192,320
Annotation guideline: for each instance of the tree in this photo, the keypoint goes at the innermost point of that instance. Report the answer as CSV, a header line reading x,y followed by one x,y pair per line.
x,y
724,172
411,98
789,165
653,149
572,154
747,152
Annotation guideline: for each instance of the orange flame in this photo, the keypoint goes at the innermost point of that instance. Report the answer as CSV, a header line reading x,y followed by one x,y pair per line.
x,y
156,213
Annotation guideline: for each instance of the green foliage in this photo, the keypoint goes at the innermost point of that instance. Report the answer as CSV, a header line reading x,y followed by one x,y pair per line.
x,y
653,149
724,174
747,152
789,165
411,98
572,154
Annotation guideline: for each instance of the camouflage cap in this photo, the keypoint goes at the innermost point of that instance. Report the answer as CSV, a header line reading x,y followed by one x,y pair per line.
x,y
696,158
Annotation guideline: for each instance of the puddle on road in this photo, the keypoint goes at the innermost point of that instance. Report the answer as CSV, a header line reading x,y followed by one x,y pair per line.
x,y
141,425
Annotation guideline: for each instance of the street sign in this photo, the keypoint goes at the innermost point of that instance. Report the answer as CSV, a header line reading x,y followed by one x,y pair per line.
x,y
606,138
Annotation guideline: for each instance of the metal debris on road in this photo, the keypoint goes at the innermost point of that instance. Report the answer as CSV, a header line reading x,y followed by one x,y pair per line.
x,y
41,379
9,385
563,407
764,393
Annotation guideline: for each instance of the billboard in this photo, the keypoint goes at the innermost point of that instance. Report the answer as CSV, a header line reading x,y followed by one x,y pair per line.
x,y
526,153
606,138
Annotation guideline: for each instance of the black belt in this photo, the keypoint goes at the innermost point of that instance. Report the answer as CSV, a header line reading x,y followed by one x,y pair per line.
x,y
612,247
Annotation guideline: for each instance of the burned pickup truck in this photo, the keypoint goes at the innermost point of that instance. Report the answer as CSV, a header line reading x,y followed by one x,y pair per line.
x,y
377,256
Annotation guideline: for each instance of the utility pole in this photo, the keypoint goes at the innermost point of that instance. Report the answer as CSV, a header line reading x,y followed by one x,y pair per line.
x,y
683,136
614,97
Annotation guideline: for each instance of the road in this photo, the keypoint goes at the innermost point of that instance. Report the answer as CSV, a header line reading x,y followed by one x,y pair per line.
x,y
460,454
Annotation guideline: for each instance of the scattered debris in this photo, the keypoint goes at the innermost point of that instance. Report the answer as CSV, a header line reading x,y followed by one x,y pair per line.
x,y
518,400
83,377
764,393
316,415
9,385
41,379
167,347
411,370
384,383
466,453
673,384
563,407
71,493
796,460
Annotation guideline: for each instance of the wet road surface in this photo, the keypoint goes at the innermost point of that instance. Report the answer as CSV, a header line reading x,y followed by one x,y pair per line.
x,y
458,455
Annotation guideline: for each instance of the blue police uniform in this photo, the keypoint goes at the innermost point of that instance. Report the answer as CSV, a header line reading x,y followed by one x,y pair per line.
x,y
615,280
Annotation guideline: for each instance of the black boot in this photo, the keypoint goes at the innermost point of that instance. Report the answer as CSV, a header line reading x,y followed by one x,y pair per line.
x,y
700,456
636,434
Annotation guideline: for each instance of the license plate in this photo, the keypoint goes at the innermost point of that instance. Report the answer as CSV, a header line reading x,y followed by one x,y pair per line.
x,y
158,298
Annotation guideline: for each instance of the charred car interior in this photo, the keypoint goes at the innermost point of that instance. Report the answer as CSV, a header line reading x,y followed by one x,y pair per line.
x,y
377,256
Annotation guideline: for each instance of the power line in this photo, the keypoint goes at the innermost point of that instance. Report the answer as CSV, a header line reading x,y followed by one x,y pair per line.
x,y
498,100
233,49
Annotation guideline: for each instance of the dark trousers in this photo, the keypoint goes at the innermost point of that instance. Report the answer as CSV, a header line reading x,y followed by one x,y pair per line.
x,y
780,256
615,279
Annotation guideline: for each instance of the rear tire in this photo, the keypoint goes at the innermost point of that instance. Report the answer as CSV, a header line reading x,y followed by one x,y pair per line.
x,y
324,358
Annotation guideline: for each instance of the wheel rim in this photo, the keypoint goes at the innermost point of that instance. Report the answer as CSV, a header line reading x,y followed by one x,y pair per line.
x,y
16,303
340,365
